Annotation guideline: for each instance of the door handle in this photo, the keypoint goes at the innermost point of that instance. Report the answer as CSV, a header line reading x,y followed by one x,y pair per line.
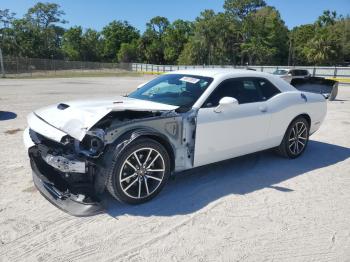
x,y
263,109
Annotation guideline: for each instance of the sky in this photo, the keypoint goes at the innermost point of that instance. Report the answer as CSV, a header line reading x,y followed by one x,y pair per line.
x,y
97,14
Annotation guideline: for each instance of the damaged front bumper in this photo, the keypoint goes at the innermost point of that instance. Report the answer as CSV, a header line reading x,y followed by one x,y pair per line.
x,y
65,165
50,176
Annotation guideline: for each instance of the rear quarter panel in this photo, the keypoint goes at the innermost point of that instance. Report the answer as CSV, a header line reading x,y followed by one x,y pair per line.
x,y
288,105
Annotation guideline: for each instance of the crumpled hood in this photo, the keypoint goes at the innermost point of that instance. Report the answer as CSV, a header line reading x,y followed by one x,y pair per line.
x,y
77,117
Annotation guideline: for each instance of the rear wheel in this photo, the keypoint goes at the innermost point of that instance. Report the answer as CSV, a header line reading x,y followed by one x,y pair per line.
x,y
140,172
295,139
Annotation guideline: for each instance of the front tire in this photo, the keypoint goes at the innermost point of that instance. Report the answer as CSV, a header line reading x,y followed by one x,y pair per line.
x,y
139,172
295,139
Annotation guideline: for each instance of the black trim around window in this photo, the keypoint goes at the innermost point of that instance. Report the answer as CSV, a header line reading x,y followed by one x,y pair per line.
x,y
257,95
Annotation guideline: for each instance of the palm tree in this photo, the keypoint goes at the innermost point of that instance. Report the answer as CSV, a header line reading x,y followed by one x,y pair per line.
x,y
321,50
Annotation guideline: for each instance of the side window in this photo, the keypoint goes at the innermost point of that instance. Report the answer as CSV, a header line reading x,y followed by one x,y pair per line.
x,y
300,72
267,89
297,73
250,92
304,72
245,90
224,89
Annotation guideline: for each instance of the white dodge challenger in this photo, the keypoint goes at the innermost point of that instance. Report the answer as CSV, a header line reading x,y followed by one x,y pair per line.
x,y
178,121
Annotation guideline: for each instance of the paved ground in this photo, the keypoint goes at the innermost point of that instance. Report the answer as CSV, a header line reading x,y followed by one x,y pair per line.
x,y
255,208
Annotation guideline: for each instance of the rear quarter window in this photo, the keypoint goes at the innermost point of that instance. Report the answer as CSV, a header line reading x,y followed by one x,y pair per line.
x,y
267,89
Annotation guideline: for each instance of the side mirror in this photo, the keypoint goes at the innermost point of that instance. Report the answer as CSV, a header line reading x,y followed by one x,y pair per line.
x,y
226,102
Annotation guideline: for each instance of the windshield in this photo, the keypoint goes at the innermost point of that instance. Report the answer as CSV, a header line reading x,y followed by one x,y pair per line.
x,y
174,89
280,72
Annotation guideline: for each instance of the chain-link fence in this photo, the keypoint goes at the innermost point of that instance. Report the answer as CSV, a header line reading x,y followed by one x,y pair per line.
x,y
315,71
32,66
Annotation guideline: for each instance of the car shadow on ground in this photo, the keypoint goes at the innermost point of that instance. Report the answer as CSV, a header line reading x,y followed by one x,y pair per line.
x,y
4,115
191,191
340,100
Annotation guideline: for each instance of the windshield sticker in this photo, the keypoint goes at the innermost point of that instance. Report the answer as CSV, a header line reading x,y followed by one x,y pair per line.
x,y
191,80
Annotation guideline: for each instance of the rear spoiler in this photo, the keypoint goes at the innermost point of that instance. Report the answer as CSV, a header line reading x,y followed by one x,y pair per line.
x,y
328,88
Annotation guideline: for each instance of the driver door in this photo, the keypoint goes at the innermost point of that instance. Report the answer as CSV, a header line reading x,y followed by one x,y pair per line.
x,y
238,129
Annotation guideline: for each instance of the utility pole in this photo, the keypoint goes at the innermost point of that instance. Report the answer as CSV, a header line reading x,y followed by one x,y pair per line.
x,y
2,64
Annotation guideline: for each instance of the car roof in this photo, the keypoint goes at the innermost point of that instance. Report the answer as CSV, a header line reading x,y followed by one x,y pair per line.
x,y
292,69
219,72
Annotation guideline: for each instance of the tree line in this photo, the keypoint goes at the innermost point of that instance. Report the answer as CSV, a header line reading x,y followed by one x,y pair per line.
x,y
246,32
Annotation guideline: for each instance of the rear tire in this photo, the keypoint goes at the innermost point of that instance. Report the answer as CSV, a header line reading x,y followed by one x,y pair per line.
x,y
139,172
295,139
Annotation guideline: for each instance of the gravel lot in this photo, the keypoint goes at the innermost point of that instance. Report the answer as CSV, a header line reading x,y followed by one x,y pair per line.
x,y
255,208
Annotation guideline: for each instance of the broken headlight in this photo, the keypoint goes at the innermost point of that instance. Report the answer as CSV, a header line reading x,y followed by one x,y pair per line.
x,y
93,143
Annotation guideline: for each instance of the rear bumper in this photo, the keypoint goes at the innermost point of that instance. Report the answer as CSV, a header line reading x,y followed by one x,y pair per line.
x,y
54,189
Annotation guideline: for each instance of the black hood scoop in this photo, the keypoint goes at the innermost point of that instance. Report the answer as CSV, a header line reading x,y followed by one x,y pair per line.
x,y
62,106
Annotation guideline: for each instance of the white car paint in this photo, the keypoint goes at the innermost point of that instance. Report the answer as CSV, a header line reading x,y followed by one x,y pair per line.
x,y
251,127
28,143
80,116
230,133
42,127
233,131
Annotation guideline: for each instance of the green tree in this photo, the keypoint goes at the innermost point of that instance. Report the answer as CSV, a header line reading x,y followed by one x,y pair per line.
x,y
248,31
242,8
299,36
215,40
247,13
37,34
321,50
43,20
327,46
6,31
175,38
45,15
157,25
92,45
72,43
200,48
129,52
343,27
152,42
113,35
327,18
26,39
6,18
77,45
266,37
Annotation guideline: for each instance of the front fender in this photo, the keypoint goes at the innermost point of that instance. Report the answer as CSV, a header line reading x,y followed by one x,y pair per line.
x,y
129,136
118,146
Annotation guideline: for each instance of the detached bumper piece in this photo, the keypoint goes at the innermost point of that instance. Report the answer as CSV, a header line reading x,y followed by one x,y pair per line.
x,y
328,88
75,198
